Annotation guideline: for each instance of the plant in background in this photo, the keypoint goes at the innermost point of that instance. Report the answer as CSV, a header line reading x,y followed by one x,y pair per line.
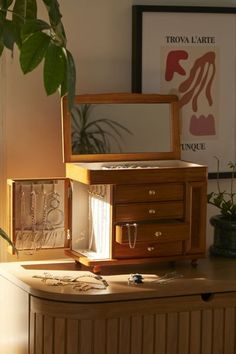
x,y
94,136
9,241
39,41
223,200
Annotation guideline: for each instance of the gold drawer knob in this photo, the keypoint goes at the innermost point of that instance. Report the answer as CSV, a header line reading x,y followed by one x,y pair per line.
x,y
150,248
151,192
152,211
158,233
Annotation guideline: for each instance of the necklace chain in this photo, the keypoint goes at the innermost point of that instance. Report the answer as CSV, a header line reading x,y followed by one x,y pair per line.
x,y
132,243
55,280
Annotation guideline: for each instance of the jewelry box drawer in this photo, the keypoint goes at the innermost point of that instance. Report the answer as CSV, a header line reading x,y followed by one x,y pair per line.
x,y
149,192
149,211
147,250
133,233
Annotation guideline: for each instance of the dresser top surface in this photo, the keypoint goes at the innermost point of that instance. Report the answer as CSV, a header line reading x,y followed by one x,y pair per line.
x,y
163,280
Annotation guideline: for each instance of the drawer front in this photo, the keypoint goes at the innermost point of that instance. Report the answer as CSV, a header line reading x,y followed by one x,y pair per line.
x,y
148,249
149,211
155,233
149,192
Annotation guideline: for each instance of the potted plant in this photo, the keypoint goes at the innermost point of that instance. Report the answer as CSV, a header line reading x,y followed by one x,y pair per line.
x,y
224,224
39,41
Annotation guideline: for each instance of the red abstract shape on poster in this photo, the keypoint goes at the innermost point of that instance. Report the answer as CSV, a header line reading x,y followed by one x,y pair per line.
x,y
173,65
200,73
202,125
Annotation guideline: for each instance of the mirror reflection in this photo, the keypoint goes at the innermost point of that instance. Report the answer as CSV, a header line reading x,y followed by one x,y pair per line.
x,y
118,128
121,127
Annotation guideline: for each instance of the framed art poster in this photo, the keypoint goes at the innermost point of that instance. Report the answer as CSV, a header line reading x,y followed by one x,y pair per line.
x,y
191,52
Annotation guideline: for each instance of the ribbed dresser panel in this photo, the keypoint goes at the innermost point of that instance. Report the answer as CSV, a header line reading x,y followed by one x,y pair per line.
x,y
179,325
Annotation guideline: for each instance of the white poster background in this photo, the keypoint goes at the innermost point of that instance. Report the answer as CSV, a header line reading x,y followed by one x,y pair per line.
x,y
196,34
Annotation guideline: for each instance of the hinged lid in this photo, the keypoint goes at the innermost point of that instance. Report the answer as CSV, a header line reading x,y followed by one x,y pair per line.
x,y
121,127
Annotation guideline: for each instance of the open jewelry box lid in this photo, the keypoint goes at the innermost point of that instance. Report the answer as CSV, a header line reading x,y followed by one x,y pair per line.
x,y
121,127
104,135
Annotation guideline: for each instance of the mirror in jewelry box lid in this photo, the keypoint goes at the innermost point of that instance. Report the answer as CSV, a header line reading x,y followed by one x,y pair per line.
x,y
39,216
120,127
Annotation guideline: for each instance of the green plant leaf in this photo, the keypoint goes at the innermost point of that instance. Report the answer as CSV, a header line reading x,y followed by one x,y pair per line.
x,y
32,26
55,21
54,68
10,34
60,36
218,199
24,9
33,51
5,4
1,48
210,196
232,164
71,79
233,209
1,28
53,11
227,205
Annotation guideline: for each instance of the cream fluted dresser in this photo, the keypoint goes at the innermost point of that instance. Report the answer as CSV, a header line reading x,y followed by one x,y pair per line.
x,y
177,309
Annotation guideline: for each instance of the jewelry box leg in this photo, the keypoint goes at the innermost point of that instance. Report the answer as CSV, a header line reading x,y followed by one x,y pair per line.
x,y
78,264
97,269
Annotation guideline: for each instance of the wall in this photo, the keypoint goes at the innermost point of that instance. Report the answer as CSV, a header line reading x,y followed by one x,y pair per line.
x,y
99,36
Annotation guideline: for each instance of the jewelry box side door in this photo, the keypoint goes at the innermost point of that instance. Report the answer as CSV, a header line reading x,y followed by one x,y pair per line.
x,y
40,216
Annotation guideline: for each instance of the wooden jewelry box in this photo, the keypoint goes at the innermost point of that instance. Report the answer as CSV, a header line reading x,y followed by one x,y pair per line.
x,y
133,199
127,197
